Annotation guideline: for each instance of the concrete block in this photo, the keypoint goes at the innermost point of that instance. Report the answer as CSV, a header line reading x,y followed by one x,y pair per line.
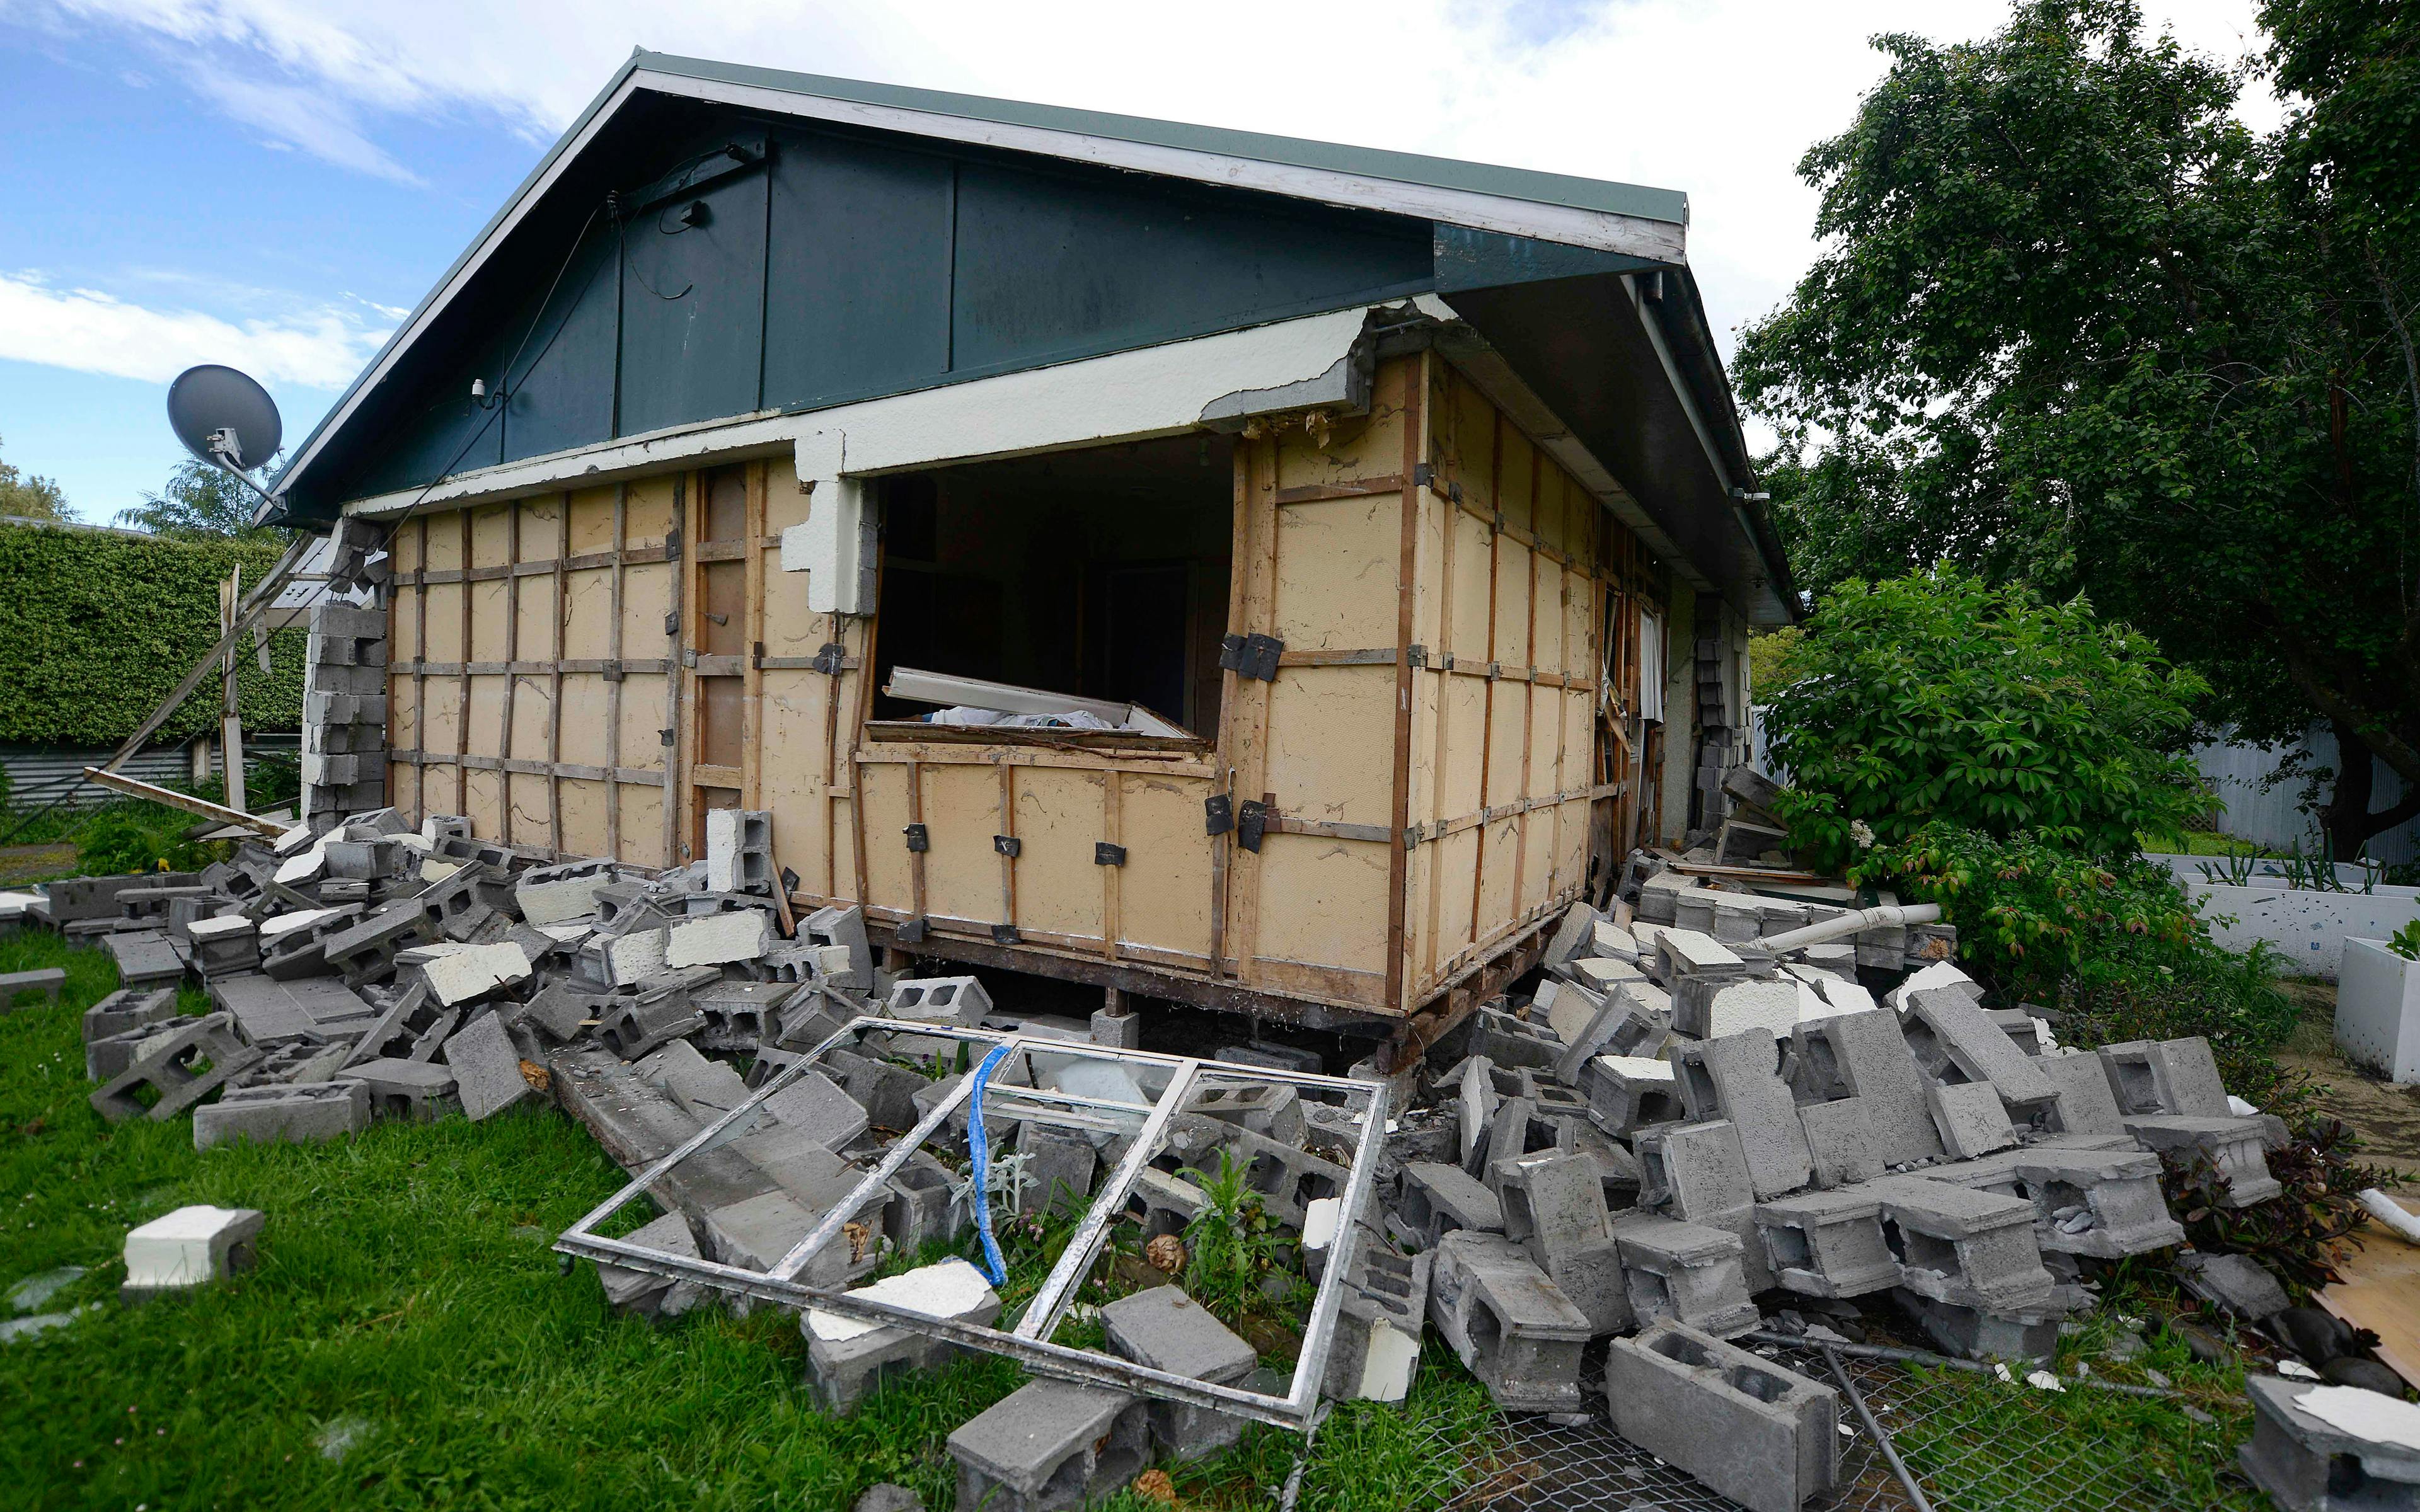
x,y
1954,1041
128,1009
470,973
107,1058
718,939
1972,1248
1690,1272
189,1247
1827,1244
1270,1109
487,1068
1379,1316
643,1292
145,958
1121,1029
1508,1322
816,1106
1864,1056
1737,1079
887,1092
739,850
412,1090
1696,1170
959,1000
558,894
221,947
2081,1100
1685,952
1572,934
296,1113
1437,1199
2308,1464
2176,1077
1058,1171
1553,1202
1513,1042
183,1065
2236,1147
1766,1437
1049,1446
2101,1203
1715,1008
847,1358
834,926
1284,1177
1970,1116
2023,1333
918,1210
632,1028
2237,1284
1163,1329
1842,1143
365,950
1628,1093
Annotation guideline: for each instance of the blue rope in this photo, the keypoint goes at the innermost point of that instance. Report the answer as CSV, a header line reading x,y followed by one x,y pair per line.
x,y
979,1145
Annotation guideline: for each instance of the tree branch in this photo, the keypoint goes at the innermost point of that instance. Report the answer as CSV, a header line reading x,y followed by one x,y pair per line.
x,y
2392,749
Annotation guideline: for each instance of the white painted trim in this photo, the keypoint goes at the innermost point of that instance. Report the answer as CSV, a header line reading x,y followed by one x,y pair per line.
x,y
1605,230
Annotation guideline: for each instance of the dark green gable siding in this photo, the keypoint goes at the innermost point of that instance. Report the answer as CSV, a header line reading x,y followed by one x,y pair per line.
x,y
836,267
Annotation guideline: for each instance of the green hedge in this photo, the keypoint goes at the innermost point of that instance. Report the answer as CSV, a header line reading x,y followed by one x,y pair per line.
x,y
96,628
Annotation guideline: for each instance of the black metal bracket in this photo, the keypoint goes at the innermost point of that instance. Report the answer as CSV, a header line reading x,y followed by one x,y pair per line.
x,y
919,839
1008,845
1424,474
673,544
1419,656
612,671
1251,823
1251,655
1219,814
1005,934
790,880
910,932
1105,854
663,737
671,622
828,658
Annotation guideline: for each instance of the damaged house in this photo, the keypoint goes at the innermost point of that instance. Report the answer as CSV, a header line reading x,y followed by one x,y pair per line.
x,y
1254,573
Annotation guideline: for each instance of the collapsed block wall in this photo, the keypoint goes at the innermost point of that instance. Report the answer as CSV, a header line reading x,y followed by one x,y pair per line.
x,y
344,712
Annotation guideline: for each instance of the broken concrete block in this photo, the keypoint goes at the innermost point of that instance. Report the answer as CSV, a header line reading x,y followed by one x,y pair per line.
x,y
2176,1077
847,1358
1939,975
1508,1322
184,1064
558,894
296,1113
189,1247
833,926
1864,1057
1971,1119
468,973
1572,933
1379,1316
2237,1284
487,1068
1842,1144
412,1090
716,939
1688,1272
2236,1147
1438,1199
1628,1093
959,1000
1954,1041
1956,1244
1685,952
1828,1244
1766,1437
2081,1101
1162,1329
2307,1463
1050,1445
633,957
1737,1079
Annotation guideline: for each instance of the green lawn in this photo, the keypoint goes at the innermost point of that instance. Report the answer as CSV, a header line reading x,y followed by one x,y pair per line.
x,y
408,1340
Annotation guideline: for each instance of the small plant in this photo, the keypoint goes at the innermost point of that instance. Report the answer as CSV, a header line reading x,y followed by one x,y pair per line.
x,y
2236,869
1228,1245
2295,1233
122,840
2406,942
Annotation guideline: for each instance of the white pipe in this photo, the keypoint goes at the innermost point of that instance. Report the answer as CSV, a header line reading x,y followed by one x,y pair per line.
x,y
1855,923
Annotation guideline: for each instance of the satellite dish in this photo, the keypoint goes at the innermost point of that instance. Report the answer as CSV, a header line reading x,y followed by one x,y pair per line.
x,y
223,417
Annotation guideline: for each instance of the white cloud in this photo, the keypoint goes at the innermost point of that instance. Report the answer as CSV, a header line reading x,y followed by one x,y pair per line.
x,y
296,117
91,331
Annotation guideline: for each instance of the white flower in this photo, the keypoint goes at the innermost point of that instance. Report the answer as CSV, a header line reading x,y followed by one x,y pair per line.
x,y
1862,833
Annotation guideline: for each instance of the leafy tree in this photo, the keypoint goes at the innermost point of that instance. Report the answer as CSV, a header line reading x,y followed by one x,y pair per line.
x,y
1940,699
2078,328
200,501
31,497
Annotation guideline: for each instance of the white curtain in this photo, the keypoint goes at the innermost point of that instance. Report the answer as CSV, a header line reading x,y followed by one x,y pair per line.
x,y
1650,665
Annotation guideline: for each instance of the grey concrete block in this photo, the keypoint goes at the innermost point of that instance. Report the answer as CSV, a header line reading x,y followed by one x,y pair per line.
x,y
1766,1437
187,1062
1270,1109
1827,1244
412,1090
1628,1093
1163,1329
1058,1173
1737,1079
959,1000
1697,1171
1591,1278
1690,1272
2178,1077
644,1292
2081,1101
1717,1008
2236,1147
844,927
1508,1322
1864,1057
816,1105
128,1009
487,1068
1050,1445
1955,1041
304,1113
847,1358
1572,934
145,958
1965,1331
1553,1202
1970,1116
1509,1041
2306,1464
1842,1143
1959,1245
1379,1316
2236,1283
2101,1203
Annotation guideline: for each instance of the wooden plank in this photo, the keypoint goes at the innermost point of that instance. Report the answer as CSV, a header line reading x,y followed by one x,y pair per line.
x,y
562,649
677,793
1400,810
2380,1291
267,829
1437,758
753,636
1113,833
614,685
463,719
1007,829
512,653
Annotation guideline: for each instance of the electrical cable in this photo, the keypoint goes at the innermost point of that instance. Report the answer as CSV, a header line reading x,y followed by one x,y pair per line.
x,y
979,1146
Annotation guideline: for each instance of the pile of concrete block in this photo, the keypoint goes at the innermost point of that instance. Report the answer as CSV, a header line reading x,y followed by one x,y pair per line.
x,y
344,711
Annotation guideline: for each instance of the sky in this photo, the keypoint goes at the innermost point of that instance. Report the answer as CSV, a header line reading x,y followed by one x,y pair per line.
x,y
273,184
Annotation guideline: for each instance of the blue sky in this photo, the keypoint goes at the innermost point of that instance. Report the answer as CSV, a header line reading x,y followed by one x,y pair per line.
x,y
273,183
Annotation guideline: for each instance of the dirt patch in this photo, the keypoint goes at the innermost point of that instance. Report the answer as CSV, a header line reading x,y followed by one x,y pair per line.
x,y
20,864
2386,1116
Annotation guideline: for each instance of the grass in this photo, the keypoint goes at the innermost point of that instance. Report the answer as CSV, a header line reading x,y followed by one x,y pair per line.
x,y
407,1306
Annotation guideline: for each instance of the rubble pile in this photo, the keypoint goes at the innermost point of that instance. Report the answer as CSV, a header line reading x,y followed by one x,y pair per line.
x,y
1716,1110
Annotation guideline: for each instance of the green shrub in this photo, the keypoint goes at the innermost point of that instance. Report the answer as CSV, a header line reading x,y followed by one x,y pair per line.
x,y
1938,698
130,838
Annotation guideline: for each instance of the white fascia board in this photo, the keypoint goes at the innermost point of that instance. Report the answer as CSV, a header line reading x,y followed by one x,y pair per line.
x,y
1604,230
1130,395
